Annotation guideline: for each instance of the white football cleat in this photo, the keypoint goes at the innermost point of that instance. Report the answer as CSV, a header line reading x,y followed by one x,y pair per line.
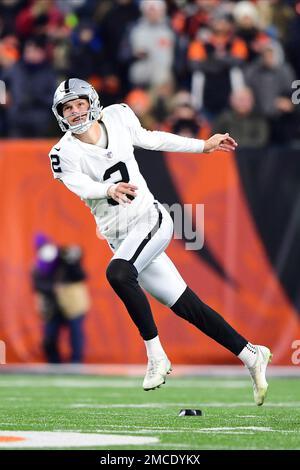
x,y
157,370
258,374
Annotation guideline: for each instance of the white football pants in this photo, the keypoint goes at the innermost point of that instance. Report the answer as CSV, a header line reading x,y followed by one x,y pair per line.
x,y
144,247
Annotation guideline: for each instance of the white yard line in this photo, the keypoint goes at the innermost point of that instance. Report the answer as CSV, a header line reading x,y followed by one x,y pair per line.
x,y
168,404
35,439
212,430
121,383
135,370
124,405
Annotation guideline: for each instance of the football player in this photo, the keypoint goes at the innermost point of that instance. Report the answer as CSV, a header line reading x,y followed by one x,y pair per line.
x,y
95,160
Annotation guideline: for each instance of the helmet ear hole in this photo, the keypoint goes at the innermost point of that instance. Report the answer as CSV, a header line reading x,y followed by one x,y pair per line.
x,y
60,109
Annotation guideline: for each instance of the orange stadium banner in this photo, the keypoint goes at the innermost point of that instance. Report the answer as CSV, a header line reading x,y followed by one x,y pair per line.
x,y
234,272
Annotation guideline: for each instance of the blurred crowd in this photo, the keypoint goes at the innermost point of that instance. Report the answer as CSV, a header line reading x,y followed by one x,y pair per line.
x,y
191,67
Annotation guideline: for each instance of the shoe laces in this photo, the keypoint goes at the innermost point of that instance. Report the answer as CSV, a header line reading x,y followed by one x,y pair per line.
x,y
153,366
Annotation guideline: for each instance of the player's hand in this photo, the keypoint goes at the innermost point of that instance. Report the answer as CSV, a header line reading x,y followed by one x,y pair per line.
x,y
220,142
119,192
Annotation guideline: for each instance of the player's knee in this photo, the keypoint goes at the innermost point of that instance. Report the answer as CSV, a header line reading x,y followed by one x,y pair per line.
x,y
120,272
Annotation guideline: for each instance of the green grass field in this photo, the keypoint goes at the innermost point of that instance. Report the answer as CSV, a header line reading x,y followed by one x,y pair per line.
x,y
119,406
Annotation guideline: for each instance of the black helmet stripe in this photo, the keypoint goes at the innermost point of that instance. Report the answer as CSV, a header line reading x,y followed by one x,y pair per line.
x,y
67,86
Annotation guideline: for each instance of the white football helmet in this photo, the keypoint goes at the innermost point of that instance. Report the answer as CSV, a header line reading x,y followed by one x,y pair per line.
x,y
72,89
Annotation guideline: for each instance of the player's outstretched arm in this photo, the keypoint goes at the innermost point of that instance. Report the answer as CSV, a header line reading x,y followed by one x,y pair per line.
x,y
168,142
219,142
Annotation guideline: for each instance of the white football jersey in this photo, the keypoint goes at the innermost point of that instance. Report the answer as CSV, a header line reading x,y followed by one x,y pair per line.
x,y
89,170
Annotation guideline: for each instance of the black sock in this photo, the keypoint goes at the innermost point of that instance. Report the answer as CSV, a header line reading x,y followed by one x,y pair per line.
x,y
192,309
122,276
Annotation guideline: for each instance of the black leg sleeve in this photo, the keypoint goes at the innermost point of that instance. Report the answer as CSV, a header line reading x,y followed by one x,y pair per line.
x,y
192,309
122,276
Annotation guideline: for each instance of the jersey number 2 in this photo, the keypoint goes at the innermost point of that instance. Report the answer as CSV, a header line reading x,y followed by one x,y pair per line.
x,y
55,162
122,168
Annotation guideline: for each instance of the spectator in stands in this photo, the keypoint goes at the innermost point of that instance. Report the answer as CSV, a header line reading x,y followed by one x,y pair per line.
x,y
293,41
191,17
115,24
140,102
246,16
160,45
162,96
9,54
83,9
214,57
152,46
85,53
30,83
39,17
184,120
276,17
186,21
59,282
9,9
9,51
270,78
249,128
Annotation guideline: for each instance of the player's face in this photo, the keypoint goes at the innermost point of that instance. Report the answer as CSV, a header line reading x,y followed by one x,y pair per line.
x,y
75,111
